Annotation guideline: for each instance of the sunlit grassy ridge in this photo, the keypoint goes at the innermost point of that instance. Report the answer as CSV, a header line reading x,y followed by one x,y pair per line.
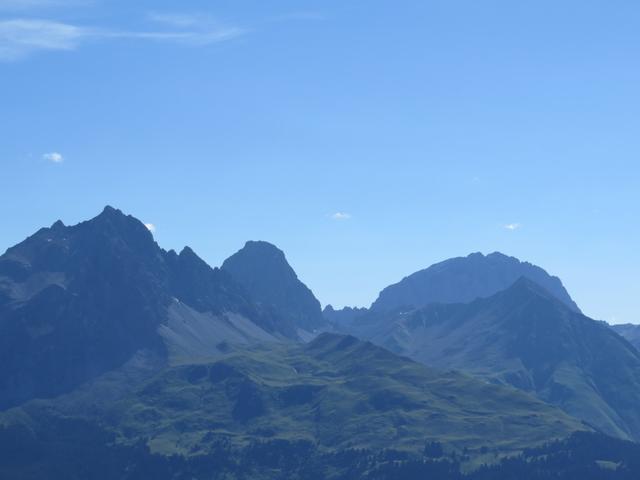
x,y
336,392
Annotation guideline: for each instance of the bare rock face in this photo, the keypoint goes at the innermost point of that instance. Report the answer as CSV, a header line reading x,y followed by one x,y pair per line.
x,y
78,301
262,269
463,279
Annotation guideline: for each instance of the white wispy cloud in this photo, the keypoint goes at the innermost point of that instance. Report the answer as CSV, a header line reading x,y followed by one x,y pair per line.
x,y
20,38
185,38
181,20
53,157
151,227
202,28
512,226
341,216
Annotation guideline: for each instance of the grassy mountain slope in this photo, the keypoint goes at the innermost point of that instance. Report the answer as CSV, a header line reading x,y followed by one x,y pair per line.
x,y
525,337
335,393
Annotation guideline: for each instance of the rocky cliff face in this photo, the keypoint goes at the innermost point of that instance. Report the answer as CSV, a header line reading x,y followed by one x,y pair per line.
x,y
263,271
78,301
463,279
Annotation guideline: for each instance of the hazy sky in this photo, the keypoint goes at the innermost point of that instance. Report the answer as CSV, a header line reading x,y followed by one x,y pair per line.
x,y
367,139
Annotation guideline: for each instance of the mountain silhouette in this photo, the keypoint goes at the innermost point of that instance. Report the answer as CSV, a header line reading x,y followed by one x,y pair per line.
x,y
262,269
463,279
78,301
525,337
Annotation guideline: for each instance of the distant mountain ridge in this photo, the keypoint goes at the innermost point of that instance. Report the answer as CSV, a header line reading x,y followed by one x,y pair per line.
x,y
78,301
464,279
343,317
524,336
629,331
102,290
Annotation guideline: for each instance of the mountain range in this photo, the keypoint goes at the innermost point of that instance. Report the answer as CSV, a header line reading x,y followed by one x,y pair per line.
x,y
134,355
527,338
76,302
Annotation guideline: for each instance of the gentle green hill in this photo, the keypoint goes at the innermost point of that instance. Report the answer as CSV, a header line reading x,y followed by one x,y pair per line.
x,y
336,393
526,338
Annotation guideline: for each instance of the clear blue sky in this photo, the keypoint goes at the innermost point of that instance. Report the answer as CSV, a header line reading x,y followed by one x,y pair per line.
x,y
430,126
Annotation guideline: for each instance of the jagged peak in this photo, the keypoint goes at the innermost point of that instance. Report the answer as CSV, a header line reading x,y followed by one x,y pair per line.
x,y
111,215
262,246
496,255
331,308
262,269
187,251
113,225
108,210
114,216
171,253
259,252
188,256
501,255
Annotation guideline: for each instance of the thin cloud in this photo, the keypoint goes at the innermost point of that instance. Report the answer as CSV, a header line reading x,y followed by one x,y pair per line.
x,y
20,38
198,39
203,29
512,226
341,216
181,20
53,157
151,227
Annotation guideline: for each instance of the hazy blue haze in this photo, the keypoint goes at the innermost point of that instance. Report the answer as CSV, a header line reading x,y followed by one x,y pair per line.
x,y
433,124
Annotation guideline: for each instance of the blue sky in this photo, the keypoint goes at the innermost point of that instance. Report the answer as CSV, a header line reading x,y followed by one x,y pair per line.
x,y
432,128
